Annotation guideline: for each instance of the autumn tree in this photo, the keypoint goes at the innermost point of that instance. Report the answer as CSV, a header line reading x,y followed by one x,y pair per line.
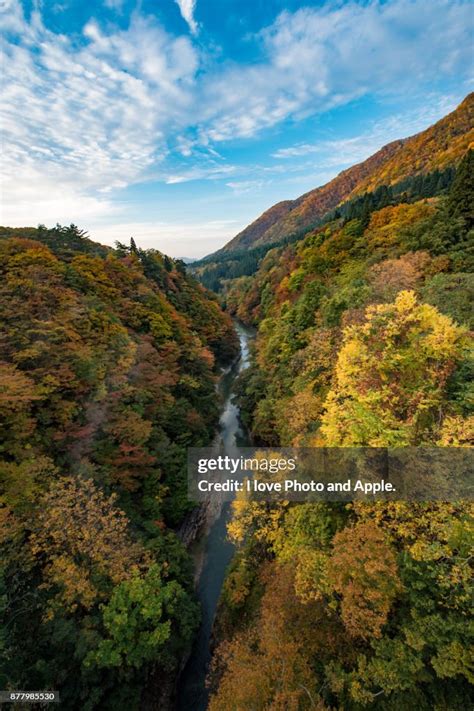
x,y
391,376
363,571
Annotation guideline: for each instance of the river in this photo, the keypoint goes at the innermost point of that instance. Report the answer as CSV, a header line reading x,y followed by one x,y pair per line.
x,y
213,552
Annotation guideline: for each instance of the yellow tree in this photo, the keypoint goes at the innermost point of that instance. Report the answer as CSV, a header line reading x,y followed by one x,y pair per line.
x,y
391,376
84,541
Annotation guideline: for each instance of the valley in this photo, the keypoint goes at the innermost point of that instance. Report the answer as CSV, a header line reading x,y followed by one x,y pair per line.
x,y
341,318
363,339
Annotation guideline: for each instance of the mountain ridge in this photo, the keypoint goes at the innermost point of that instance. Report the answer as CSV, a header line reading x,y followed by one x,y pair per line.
x,y
441,144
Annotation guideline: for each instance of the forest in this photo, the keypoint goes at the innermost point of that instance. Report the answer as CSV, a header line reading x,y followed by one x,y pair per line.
x,y
216,270
108,370
364,339
360,294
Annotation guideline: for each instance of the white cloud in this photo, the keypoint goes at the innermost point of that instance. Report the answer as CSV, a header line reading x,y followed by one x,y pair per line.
x,y
113,4
200,173
33,198
318,58
240,187
86,115
187,8
301,149
92,118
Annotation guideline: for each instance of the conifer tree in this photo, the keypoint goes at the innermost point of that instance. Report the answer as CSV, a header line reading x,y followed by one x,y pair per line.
x,y
461,196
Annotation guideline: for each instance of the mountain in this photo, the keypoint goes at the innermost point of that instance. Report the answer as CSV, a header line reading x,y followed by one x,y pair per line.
x,y
436,148
254,233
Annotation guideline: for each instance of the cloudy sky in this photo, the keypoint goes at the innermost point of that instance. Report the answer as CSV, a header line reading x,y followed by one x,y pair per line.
x,y
180,121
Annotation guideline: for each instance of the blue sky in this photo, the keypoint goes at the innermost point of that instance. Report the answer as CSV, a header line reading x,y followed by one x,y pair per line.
x,y
180,121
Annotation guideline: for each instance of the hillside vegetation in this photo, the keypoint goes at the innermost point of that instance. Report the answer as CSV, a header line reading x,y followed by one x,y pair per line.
x,y
439,146
107,374
397,166
363,340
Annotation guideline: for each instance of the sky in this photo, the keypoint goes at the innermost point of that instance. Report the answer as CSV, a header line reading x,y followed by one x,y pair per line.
x,y
178,122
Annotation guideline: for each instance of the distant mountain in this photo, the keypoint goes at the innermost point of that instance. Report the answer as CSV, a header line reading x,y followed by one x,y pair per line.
x,y
438,147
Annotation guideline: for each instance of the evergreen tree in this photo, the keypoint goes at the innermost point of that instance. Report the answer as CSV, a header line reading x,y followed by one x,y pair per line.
x,y
180,266
461,196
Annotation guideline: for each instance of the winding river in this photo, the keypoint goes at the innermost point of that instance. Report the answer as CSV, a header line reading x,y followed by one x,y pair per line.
x,y
212,552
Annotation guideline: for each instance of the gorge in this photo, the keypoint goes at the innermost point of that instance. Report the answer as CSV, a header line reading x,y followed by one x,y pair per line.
x,y
357,298
212,552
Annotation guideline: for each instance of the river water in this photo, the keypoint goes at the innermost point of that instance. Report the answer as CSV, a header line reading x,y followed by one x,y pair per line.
x,y
213,552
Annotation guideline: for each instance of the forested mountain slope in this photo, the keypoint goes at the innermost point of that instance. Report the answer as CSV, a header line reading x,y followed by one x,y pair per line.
x,y
364,339
302,213
439,146
406,170
409,169
107,374
324,283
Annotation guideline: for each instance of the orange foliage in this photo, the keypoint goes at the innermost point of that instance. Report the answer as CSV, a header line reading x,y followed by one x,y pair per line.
x,y
269,667
394,275
363,570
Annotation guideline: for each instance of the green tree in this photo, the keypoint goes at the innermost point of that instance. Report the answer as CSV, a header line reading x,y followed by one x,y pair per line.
x,y
139,620
461,195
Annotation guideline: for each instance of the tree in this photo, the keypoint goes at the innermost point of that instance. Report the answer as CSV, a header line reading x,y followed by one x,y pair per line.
x,y
17,394
461,195
391,376
138,622
363,571
84,541
180,266
269,666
